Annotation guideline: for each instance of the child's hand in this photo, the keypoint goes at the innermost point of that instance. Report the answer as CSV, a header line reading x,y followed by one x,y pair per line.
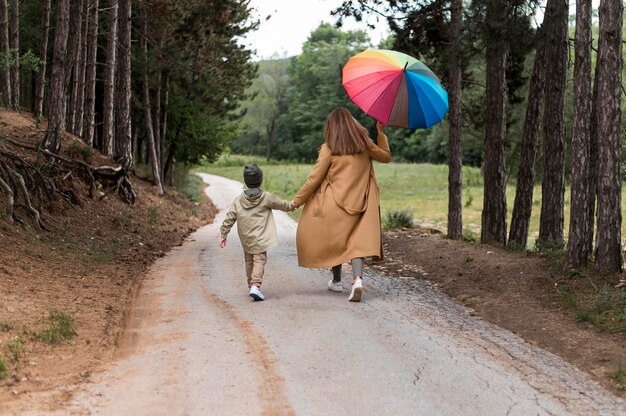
x,y
222,242
293,206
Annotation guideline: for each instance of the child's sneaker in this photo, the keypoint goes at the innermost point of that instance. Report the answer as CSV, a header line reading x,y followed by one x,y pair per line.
x,y
335,286
255,293
357,291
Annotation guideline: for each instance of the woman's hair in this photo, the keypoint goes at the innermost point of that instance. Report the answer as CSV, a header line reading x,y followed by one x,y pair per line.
x,y
343,134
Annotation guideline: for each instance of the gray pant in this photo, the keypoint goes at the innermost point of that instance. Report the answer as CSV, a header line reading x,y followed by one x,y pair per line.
x,y
357,269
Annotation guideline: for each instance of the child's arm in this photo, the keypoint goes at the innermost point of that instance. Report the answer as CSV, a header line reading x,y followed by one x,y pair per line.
x,y
277,203
227,224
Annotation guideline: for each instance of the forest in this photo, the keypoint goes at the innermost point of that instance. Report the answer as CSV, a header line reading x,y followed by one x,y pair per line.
x,y
170,83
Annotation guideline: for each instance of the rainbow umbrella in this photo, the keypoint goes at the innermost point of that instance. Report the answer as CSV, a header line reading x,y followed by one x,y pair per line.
x,y
395,88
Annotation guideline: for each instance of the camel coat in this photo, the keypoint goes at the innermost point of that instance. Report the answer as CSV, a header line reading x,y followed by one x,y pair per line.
x,y
341,216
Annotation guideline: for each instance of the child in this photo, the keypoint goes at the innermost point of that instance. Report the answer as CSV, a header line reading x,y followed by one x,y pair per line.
x,y
255,225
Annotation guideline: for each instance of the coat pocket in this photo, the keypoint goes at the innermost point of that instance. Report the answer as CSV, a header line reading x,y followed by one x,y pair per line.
x,y
318,202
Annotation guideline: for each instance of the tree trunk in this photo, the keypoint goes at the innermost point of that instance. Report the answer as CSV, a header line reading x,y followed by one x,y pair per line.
x,y
78,81
157,116
43,56
580,227
166,100
108,120
523,205
56,109
553,183
89,122
73,45
455,75
593,160
493,227
123,140
609,247
5,48
169,165
15,46
156,171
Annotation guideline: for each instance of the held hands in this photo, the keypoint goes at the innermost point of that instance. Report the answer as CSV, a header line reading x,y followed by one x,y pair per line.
x,y
293,206
222,242
380,127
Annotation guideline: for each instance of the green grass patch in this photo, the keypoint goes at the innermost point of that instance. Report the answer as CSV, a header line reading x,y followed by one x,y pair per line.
x,y
605,308
80,151
15,349
101,256
619,376
153,216
6,326
4,370
398,219
568,300
58,328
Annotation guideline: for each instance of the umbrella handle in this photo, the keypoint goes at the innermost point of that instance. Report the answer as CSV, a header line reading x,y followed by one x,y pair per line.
x,y
404,69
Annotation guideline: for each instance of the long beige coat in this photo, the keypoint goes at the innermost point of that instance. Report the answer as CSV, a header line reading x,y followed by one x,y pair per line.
x,y
341,216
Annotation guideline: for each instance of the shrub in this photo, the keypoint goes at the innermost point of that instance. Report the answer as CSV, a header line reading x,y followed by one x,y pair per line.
x,y
59,328
398,219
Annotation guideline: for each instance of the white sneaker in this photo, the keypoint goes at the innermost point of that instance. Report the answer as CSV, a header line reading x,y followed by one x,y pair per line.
x,y
255,293
335,286
357,291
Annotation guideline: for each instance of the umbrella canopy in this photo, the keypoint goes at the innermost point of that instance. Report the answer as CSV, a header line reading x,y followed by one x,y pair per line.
x,y
395,88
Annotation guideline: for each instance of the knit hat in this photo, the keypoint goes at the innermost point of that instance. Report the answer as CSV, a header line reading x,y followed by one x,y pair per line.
x,y
252,175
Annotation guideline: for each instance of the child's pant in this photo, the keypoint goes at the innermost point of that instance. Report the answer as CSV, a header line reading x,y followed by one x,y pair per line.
x,y
255,267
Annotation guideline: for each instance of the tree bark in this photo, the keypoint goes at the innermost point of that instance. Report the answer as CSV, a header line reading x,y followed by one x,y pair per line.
x,y
15,46
493,227
40,89
56,110
455,75
73,45
522,207
580,225
553,183
89,122
108,120
157,116
609,247
78,81
5,48
123,140
156,171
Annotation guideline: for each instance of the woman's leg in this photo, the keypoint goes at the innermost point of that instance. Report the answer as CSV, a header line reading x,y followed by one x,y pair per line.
x,y
337,273
357,267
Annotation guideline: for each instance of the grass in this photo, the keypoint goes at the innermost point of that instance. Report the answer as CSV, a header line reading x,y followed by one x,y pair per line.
x,y
619,376
58,328
421,189
397,219
4,370
605,308
6,326
15,349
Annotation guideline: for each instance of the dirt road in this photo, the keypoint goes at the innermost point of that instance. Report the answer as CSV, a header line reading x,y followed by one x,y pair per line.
x,y
196,344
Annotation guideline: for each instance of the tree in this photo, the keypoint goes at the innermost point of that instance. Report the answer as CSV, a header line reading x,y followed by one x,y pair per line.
x,y
493,227
5,48
123,140
15,48
553,181
77,99
56,110
108,120
609,67
581,225
43,53
90,77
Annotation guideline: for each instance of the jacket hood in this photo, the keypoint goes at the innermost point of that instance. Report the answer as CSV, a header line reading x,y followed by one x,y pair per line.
x,y
252,197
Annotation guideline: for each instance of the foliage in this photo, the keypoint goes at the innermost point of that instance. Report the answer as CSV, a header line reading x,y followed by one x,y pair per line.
x,y
58,328
619,376
398,219
605,307
4,371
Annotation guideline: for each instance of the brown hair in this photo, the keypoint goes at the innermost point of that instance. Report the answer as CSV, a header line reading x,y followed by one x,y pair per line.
x,y
343,134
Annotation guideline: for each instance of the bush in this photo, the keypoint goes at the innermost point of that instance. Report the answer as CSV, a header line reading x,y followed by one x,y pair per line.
x,y
398,219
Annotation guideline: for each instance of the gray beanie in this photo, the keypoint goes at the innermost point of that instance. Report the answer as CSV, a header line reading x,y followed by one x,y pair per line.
x,y
252,176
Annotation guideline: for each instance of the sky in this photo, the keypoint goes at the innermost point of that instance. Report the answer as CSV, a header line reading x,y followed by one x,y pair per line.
x,y
293,20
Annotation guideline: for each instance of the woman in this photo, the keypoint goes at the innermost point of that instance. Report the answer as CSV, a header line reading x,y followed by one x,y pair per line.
x,y
341,217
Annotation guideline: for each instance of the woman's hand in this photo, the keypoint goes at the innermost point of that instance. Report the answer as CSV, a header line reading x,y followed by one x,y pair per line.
x,y
380,127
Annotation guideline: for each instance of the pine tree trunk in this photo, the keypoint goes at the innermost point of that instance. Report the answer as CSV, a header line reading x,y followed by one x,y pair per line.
x,y
43,56
89,122
73,45
157,116
553,183
123,140
609,245
5,48
593,160
15,45
493,227
56,109
156,171
108,120
580,227
455,75
80,68
523,205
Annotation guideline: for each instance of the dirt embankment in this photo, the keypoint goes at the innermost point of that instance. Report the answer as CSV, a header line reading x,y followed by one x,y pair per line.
x,y
64,292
